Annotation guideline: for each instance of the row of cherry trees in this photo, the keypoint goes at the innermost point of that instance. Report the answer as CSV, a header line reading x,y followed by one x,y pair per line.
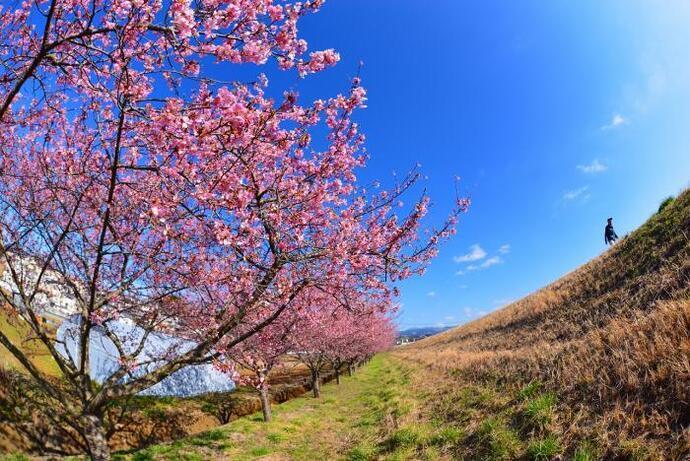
x,y
162,190
321,333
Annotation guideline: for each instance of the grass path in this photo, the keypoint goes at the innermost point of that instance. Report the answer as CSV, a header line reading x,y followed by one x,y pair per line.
x,y
350,421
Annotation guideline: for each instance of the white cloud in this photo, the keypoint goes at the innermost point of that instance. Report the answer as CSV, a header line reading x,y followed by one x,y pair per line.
x,y
593,168
467,311
448,318
476,253
431,294
616,121
479,257
491,262
573,194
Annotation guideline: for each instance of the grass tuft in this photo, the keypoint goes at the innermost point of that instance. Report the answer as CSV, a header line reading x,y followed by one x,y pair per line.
x,y
539,411
543,450
497,440
530,390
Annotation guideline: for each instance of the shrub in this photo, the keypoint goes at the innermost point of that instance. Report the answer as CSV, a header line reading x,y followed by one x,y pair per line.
x,y
665,203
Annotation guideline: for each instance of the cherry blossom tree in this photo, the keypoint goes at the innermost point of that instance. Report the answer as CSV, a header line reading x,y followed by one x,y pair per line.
x,y
312,344
153,192
260,354
354,335
334,329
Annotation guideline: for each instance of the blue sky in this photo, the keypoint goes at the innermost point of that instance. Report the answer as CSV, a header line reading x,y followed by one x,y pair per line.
x,y
554,114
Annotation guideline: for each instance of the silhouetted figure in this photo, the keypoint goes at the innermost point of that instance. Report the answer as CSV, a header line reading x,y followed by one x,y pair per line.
x,y
610,235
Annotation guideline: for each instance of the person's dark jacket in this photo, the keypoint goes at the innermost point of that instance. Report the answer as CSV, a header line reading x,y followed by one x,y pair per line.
x,y
610,234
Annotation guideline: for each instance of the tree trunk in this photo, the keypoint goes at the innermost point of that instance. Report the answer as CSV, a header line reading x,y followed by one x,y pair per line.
x,y
94,434
350,369
337,374
315,384
265,403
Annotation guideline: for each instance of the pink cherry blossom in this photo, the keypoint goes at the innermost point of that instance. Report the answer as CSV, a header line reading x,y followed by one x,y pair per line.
x,y
200,209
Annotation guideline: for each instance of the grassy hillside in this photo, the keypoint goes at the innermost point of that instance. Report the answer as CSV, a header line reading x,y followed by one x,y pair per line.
x,y
19,332
595,365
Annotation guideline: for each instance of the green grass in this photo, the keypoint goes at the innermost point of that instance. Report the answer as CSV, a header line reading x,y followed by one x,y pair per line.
x,y
543,450
343,421
497,440
389,410
665,203
530,390
585,452
14,457
374,415
539,411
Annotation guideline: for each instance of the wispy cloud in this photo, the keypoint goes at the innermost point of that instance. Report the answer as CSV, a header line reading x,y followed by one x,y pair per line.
x,y
448,318
478,257
431,294
491,262
616,121
476,253
576,193
593,168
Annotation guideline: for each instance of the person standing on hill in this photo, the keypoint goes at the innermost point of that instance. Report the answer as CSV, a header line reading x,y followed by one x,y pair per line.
x,y
610,235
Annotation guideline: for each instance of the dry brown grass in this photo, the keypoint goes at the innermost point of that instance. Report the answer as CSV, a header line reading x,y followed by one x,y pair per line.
x,y
611,340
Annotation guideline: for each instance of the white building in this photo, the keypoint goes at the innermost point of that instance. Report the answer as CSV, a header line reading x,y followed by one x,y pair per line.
x,y
54,297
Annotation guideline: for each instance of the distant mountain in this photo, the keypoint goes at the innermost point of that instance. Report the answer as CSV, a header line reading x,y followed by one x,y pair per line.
x,y
422,332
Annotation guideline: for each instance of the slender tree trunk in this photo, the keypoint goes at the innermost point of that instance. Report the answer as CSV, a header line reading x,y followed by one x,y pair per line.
x,y
94,434
337,374
315,384
265,403
350,369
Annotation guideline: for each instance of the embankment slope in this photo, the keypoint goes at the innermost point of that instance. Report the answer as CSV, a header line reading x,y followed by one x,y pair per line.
x,y
609,342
